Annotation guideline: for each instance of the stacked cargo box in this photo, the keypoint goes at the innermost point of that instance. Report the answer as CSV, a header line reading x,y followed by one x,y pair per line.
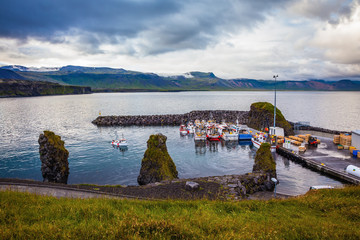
x,y
345,140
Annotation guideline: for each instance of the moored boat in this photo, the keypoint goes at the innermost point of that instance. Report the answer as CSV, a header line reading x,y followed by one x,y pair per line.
x,y
228,134
259,139
120,143
183,130
190,128
200,134
212,133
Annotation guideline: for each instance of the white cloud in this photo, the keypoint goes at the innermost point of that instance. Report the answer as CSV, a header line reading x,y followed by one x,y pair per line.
x,y
299,40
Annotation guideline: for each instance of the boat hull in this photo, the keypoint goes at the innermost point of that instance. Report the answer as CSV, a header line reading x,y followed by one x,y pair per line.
x,y
245,137
230,137
213,138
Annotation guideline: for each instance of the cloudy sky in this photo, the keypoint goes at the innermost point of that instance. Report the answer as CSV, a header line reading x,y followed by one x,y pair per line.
x,y
301,39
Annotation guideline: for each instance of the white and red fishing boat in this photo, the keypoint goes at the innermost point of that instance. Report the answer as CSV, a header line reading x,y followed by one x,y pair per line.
x,y
120,143
228,134
261,138
212,133
183,130
190,128
200,134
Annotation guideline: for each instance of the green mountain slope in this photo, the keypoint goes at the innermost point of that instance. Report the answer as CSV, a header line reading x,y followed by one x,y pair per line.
x,y
119,79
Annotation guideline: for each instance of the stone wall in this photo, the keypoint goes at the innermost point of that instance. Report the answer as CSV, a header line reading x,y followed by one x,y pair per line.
x,y
172,119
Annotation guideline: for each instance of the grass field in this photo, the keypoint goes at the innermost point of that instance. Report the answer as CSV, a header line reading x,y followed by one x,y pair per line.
x,y
325,214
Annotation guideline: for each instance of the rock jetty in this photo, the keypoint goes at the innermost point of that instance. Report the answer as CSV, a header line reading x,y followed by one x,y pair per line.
x,y
54,158
157,164
319,129
172,119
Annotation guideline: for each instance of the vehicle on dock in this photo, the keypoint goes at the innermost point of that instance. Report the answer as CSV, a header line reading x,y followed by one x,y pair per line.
x,y
183,130
313,141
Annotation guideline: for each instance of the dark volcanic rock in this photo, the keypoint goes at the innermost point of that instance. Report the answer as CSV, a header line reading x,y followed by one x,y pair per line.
x,y
54,158
172,119
157,164
265,164
261,116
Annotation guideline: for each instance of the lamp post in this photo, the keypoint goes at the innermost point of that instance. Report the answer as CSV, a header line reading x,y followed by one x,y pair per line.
x,y
275,76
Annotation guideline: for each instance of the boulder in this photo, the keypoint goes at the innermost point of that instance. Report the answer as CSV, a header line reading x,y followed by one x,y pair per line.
x,y
191,186
157,164
261,116
54,158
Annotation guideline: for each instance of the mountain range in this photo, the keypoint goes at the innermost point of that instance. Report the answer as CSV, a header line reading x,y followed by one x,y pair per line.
x,y
112,79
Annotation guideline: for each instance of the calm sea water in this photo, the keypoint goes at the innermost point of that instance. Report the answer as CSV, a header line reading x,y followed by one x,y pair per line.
x,y
93,160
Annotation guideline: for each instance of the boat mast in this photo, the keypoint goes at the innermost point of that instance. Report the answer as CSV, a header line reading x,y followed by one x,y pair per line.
x,y
275,101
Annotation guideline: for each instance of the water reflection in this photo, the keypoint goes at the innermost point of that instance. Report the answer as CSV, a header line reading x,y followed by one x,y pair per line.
x,y
213,146
229,145
200,148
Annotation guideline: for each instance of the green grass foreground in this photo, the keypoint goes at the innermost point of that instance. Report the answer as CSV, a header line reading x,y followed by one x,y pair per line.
x,y
325,214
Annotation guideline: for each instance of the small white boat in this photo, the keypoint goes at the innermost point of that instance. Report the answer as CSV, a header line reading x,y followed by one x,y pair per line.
x,y
190,128
228,134
120,143
183,130
259,139
200,134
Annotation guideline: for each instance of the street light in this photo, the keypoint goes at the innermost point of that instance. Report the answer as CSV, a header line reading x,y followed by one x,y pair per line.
x,y
275,76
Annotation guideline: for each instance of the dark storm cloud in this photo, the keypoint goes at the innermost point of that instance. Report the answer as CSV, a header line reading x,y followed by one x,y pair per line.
x,y
154,26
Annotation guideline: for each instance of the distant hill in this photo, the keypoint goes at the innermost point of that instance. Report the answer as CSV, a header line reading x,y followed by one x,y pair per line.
x,y
25,88
8,74
111,79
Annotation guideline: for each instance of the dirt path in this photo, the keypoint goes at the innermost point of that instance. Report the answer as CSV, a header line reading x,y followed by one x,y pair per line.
x,y
173,190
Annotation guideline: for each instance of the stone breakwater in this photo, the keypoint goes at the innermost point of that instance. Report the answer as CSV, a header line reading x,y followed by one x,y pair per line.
x,y
319,129
172,119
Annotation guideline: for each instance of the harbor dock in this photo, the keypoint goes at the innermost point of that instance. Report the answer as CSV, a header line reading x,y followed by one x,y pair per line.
x,y
325,158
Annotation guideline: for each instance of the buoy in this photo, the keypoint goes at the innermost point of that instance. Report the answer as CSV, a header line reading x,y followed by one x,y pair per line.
x,y
353,170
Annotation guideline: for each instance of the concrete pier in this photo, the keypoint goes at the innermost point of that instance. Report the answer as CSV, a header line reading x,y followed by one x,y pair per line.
x,y
326,158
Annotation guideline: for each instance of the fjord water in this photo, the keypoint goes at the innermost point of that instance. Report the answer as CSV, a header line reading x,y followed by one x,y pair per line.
x,y
92,159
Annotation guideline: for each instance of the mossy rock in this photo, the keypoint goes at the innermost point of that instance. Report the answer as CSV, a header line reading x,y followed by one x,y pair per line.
x,y
261,115
54,158
264,161
157,165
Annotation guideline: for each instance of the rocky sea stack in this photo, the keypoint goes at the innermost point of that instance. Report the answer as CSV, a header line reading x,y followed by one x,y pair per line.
x,y
265,164
54,158
261,116
157,164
